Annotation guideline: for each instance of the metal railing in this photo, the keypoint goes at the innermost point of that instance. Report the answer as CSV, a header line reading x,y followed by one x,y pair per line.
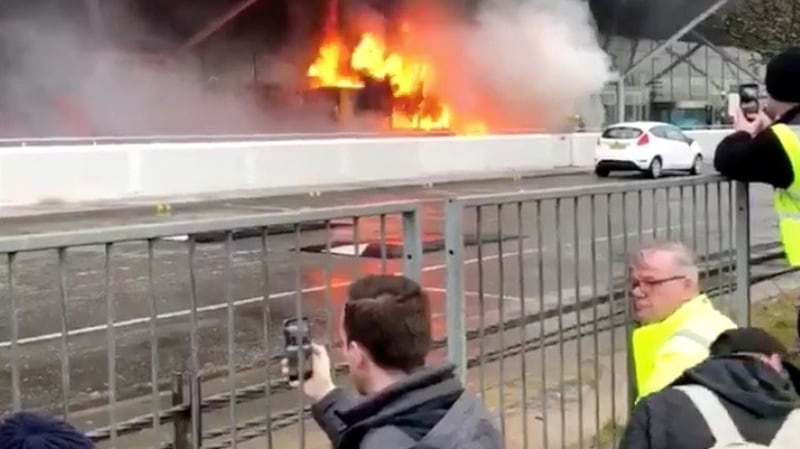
x,y
108,327
164,335
548,292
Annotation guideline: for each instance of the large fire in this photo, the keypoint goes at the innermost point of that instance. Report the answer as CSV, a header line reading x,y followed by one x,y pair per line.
x,y
414,105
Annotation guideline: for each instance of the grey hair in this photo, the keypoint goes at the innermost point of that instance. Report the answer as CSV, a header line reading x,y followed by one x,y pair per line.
x,y
683,258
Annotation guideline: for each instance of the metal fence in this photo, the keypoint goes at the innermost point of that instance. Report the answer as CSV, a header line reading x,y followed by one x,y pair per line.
x,y
166,335
547,295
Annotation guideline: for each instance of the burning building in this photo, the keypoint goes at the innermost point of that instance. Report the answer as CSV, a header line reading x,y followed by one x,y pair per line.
x,y
237,67
370,75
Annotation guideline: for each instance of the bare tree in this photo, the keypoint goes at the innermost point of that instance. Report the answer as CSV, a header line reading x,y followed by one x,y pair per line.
x,y
765,27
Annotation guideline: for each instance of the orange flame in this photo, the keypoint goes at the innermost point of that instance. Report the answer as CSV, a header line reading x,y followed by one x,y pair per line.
x,y
414,107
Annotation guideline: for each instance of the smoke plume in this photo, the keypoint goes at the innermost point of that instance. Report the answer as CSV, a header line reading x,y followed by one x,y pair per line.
x,y
60,81
516,64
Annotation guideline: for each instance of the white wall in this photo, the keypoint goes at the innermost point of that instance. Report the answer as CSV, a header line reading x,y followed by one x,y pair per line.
x,y
105,172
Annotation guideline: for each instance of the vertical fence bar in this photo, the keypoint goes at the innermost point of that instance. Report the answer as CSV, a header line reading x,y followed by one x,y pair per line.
x,y
667,199
481,304
13,316
630,366
707,227
654,207
732,252
720,246
356,248
612,310
560,306
228,286
62,286
455,312
194,345
502,311
266,314
112,344
412,244
543,348
595,317
331,336
301,363
694,218
155,396
742,226
383,243
576,245
524,328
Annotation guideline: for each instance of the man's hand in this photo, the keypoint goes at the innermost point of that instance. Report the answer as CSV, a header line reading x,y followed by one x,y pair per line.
x,y
758,122
320,383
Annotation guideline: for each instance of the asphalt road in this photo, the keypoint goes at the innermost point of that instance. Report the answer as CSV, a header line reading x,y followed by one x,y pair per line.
x,y
317,280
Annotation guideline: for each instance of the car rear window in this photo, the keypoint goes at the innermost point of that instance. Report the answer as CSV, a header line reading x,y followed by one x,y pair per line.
x,y
622,132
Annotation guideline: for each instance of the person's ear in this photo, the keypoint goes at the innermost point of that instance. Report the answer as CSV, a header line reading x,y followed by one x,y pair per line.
x,y
359,357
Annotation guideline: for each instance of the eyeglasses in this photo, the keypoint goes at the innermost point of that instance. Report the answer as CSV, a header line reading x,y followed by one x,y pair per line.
x,y
649,283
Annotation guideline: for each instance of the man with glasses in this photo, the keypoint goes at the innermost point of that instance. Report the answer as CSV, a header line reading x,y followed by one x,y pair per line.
x,y
677,323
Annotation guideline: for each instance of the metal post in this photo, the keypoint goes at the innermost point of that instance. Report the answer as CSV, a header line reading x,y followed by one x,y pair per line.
x,y
196,394
412,244
621,99
181,421
455,312
741,307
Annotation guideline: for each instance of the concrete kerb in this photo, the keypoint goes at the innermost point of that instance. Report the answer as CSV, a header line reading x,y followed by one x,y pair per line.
x,y
150,205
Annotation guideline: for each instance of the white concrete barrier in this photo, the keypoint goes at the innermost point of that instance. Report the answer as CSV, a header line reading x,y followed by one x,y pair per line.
x,y
125,171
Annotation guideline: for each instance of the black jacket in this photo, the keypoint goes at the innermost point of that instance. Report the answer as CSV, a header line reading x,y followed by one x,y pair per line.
x,y
757,398
430,408
757,159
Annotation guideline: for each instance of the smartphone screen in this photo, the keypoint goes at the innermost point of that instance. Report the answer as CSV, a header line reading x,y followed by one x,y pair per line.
x,y
297,339
748,98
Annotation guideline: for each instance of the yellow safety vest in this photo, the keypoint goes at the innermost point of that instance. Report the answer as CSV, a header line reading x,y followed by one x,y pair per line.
x,y
663,351
787,201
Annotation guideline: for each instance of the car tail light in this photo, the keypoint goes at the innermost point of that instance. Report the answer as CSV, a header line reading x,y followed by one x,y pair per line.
x,y
644,140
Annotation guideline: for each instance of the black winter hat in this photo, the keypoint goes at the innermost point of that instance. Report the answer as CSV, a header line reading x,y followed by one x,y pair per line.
x,y
783,73
752,340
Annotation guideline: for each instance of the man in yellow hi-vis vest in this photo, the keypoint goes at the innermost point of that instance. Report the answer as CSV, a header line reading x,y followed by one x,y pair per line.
x,y
677,323
767,149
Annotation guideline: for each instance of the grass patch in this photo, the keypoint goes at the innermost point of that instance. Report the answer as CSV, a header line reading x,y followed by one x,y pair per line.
x,y
778,316
608,436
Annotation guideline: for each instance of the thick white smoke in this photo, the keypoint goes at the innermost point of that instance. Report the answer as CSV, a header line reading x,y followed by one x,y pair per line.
x,y
544,56
523,64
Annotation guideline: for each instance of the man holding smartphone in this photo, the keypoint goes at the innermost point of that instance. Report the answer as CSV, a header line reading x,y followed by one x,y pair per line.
x,y
767,148
404,404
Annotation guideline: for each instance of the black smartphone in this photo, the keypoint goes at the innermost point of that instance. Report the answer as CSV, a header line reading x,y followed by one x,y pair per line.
x,y
748,98
297,338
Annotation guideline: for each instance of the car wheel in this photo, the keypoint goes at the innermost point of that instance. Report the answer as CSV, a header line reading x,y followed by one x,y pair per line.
x,y
697,165
655,169
601,172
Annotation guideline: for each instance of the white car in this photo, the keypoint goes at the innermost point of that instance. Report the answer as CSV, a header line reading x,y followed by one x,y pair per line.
x,y
649,147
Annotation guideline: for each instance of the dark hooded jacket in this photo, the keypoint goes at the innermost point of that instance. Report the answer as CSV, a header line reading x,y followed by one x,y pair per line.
x,y
429,409
757,397
757,159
